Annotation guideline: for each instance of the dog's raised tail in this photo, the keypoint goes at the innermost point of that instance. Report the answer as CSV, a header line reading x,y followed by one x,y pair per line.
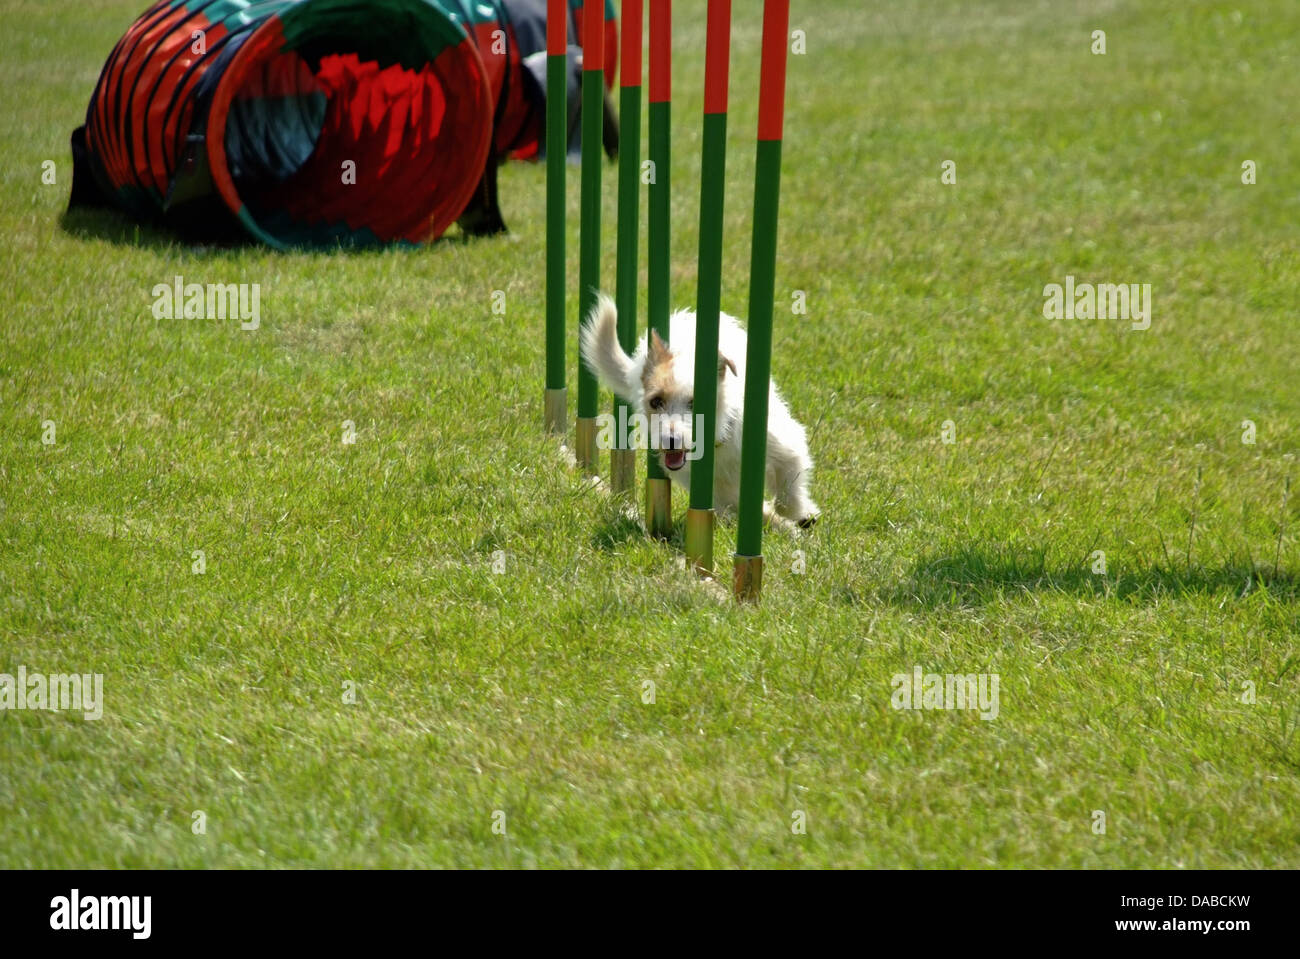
x,y
602,352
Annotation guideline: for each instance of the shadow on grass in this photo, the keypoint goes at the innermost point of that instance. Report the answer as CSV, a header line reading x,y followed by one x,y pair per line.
x,y
618,528
218,234
977,575
109,225
615,530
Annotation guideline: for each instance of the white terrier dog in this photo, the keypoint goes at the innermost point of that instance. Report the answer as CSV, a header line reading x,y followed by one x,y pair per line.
x,y
660,382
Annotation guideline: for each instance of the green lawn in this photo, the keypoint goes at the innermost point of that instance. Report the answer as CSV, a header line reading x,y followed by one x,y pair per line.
x,y
372,563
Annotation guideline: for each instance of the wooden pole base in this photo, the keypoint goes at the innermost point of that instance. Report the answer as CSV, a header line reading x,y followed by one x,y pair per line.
x,y
585,445
699,540
747,578
557,411
622,472
659,507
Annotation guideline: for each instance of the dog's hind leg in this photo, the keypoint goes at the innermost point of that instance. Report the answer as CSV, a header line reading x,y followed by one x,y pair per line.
x,y
789,473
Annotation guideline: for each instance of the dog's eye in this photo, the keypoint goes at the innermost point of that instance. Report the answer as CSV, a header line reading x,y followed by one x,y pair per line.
x,y
690,404
656,402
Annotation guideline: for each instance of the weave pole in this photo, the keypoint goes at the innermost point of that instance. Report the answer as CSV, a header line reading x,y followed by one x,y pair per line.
x,y
658,489
747,573
708,303
623,458
557,121
593,111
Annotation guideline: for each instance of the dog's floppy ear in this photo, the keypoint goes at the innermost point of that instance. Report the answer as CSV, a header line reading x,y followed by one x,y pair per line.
x,y
725,364
659,351
658,362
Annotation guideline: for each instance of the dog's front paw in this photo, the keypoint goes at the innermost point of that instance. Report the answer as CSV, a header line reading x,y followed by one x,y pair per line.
x,y
806,514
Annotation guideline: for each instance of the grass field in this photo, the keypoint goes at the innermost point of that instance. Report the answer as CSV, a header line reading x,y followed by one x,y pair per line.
x,y
327,564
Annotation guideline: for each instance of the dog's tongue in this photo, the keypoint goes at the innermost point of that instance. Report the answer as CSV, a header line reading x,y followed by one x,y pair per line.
x,y
673,459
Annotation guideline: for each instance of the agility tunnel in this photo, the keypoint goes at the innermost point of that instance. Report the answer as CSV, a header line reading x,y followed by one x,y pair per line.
x,y
318,123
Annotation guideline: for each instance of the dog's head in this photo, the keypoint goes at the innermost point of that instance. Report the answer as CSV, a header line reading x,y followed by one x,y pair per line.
x,y
668,385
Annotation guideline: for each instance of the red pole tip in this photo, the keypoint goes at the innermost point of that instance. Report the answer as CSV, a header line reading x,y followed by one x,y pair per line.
x,y
717,56
771,87
630,74
593,35
661,51
557,27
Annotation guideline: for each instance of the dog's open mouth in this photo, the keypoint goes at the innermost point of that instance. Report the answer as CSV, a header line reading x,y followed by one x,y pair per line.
x,y
674,459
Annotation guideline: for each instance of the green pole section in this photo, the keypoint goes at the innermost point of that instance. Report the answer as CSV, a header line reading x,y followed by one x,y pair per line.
x,y
658,295
556,147
708,299
708,304
659,516
623,469
593,95
698,544
758,355
747,573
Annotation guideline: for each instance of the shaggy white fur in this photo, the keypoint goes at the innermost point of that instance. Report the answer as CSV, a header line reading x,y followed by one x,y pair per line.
x,y
659,380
